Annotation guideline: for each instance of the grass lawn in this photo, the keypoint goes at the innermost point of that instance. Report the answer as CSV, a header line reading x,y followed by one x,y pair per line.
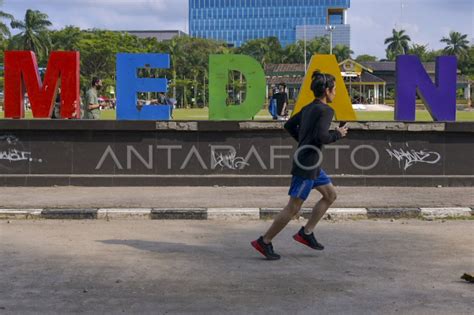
x,y
202,114
421,115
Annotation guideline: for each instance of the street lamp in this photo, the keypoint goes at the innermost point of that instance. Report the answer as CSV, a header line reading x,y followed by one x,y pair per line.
x,y
330,29
305,58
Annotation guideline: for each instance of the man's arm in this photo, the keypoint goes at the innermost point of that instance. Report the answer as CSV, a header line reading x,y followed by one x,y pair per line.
x,y
292,126
93,106
324,136
283,110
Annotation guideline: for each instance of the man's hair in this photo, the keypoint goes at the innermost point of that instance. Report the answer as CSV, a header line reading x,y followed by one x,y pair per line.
x,y
95,80
321,82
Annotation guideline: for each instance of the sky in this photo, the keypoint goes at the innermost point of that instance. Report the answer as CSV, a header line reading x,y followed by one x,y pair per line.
x,y
426,21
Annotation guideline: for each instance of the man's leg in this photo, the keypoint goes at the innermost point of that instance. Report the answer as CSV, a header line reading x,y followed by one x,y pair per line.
x,y
283,218
329,196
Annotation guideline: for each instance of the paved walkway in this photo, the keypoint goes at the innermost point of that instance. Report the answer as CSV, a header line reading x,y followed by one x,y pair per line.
x,y
226,197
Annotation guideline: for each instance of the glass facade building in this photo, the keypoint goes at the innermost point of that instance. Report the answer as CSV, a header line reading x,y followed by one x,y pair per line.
x,y
237,21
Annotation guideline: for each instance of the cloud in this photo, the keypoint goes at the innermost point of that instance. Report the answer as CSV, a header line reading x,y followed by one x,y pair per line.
x,y
426,21
410,28
116,14
362,22
369,44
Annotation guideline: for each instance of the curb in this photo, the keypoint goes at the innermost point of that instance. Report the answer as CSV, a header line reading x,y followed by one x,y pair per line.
x,y
72,214
179,214
393,213
436,213
230,213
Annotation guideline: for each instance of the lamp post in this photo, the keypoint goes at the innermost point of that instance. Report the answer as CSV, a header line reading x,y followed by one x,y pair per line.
x,y
305,58
330,29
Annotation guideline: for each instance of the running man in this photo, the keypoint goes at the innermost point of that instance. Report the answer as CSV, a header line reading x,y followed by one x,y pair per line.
x,y
310,127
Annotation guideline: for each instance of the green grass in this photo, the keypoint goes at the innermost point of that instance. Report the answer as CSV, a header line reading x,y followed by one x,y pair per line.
x,y
203,114
421,115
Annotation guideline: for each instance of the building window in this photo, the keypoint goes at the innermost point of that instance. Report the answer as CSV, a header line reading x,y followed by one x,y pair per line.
x,y
335,16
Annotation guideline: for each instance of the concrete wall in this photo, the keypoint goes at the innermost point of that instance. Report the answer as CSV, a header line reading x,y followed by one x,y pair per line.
x,y
117,153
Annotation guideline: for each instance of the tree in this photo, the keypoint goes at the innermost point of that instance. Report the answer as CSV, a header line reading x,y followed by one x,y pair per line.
x,y
456,44
190,59
4,30
342,52
294,53
265,50
466,63
66,38
4,35
431,55
319,45
98,50
365,58
398,44
424,53
419,50
34,34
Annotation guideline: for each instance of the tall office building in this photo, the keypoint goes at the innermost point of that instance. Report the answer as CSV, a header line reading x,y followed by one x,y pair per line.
x,y
237,21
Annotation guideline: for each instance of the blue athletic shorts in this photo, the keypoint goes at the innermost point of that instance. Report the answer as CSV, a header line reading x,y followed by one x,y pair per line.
x,y
301,187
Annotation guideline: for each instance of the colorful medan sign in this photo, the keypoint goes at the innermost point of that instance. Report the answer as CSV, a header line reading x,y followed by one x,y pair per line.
x,y
342,103
439,98
219,67
21,74
128,85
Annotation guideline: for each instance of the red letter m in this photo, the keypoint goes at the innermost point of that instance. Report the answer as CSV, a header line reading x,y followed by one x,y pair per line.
x,y
21,70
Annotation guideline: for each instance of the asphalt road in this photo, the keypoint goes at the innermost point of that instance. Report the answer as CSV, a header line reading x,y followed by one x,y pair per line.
x,y
209,267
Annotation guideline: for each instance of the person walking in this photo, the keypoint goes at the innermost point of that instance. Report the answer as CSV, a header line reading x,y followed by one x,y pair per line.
x,y
281,98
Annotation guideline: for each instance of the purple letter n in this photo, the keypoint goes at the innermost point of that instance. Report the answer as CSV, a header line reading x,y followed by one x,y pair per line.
x,y
439,98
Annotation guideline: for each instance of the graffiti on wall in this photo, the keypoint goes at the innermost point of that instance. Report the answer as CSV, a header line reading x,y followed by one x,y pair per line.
x,y
407,157
12,151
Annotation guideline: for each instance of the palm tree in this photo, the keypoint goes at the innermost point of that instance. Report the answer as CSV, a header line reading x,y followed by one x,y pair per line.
x,y
34,35
4,30
398,44
456,44
342,52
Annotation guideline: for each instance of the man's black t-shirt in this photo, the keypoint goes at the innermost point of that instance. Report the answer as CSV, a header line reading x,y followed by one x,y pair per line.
x,y
310,127
281,99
